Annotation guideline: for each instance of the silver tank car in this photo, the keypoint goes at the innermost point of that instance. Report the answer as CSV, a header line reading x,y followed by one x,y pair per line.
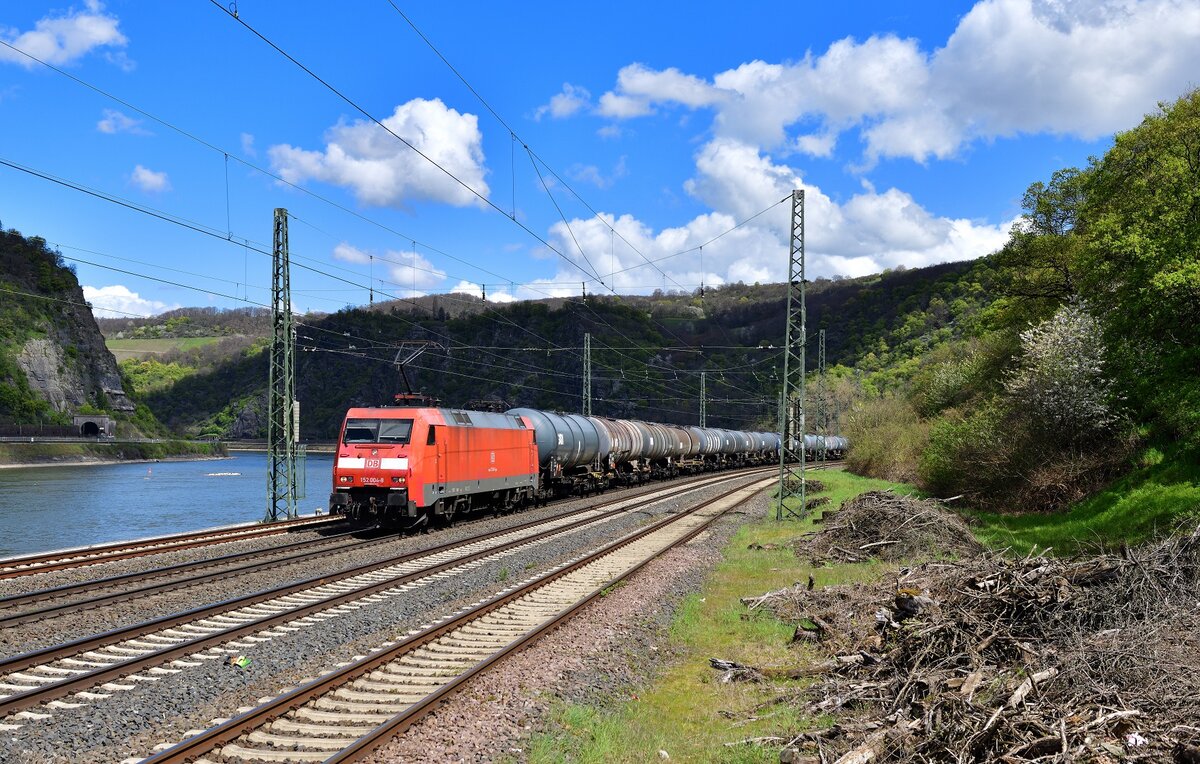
x,y
570,440
581,454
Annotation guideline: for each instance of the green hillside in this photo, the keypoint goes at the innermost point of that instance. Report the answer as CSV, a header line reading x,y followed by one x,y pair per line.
x,y
646,351
1078,394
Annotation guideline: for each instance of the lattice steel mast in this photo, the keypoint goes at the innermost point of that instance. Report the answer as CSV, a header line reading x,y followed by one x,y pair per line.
x,y
283,410
823,401
703,400
587,373
791,477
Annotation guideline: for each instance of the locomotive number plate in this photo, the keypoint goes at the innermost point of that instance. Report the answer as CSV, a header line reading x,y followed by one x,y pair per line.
x,y
372,481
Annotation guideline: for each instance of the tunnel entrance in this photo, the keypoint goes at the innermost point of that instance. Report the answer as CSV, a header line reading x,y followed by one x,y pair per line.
x,y
93,425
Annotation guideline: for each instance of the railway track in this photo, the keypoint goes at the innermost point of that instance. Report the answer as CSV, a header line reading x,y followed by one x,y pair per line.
x,y
201,572
348,713
28,565
93,667
198,572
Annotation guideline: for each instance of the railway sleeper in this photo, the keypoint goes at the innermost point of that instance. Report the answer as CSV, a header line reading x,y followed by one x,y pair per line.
x,y
289,742
394,687
286,724
235,751
374,717
417,679
364,701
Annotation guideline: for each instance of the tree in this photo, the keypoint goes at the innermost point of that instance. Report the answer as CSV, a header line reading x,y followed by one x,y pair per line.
x,y
1038,265
1060,382
1142,217
1141,263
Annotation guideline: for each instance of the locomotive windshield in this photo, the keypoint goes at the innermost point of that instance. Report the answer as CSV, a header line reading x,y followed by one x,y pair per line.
x,y
378,431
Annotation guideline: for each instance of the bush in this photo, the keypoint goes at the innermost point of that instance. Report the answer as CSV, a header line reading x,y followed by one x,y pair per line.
x,y
974,455
887,438
999,459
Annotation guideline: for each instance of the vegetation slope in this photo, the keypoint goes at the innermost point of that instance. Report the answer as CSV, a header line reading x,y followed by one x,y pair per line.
x,y
1084,369
647,352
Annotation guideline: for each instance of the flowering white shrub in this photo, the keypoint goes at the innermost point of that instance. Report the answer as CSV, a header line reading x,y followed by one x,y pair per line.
x,y
1060,382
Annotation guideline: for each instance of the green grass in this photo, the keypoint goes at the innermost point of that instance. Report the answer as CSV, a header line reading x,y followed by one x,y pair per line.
x,y
123,349
1153,499
681,712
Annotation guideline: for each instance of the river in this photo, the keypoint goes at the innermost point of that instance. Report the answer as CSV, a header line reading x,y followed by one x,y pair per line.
x,y
44,508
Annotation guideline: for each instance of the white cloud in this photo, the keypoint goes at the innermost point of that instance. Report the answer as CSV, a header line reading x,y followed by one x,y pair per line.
x,y
66,38
410,269
349,254
467,287
590,173
114,121
571,100
381,171
407,274
867,233
149,180
248,145
623,107
1064,67
639,88
817,144
118,301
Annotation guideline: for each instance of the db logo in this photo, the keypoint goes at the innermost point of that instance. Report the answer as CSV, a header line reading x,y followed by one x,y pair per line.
x,y
373,464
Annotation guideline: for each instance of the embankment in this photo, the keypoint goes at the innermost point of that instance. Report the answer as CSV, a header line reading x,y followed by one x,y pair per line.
x,y
37,454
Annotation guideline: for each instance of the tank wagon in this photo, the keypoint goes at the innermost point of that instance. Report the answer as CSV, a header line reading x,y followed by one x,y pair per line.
x,y
412,465
833,446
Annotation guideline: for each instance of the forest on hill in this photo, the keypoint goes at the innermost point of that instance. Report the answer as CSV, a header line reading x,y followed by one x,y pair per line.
x,y
647,352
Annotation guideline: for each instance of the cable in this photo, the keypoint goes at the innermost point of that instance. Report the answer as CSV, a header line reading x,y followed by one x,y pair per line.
x,y
503,281
563,218
451,175
350,102
69,302
534,158
200,228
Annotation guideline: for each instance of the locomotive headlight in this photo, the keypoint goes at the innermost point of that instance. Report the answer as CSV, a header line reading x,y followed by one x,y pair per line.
x,y
345,479
397,479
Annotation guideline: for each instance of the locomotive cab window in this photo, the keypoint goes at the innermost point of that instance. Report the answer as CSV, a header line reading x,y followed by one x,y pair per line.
x,y
361,431
390,431
432,439
395,430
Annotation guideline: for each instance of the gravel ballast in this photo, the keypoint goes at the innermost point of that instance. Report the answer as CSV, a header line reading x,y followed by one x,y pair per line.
x,y
604,654
49,631
131,722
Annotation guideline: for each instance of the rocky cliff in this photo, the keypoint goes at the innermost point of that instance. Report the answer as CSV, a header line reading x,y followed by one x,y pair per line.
x,y
53,361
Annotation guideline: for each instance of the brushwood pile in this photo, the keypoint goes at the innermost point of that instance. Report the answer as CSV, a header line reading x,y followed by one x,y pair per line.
x,y
989,658
888,526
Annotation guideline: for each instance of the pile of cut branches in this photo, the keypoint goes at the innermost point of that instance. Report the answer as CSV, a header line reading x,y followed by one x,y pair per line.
x,y
993,659
888,526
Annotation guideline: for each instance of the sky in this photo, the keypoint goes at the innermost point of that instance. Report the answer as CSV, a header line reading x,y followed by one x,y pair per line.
x,y
542,149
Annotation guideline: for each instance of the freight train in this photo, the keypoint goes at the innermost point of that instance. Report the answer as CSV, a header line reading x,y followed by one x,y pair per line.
x,y
416,465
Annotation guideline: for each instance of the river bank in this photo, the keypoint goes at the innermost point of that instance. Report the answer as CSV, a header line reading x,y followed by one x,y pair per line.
x,y
14,455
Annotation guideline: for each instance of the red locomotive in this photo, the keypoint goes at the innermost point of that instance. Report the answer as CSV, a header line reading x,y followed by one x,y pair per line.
x,y
420,463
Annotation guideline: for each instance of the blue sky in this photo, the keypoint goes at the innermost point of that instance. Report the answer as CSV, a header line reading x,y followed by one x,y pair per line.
x,y
914,129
